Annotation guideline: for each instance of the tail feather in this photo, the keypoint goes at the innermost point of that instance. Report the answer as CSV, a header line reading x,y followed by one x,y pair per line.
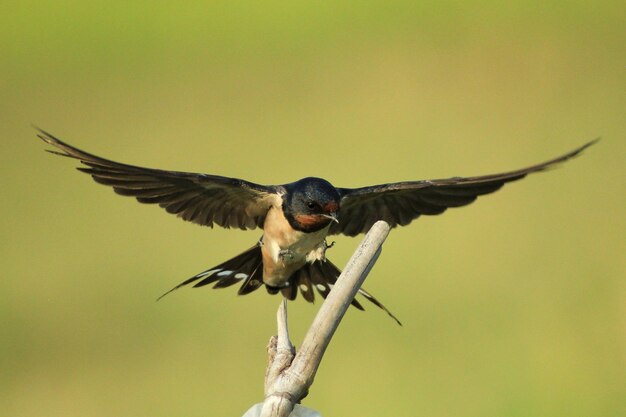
x,y
303,281
289,292
322,275
254,281
247,268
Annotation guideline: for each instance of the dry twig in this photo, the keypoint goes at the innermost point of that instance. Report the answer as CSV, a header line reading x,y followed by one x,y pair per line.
x,y
288,376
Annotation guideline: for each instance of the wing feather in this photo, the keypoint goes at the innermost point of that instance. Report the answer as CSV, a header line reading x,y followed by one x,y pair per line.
x,y
402,202
198,198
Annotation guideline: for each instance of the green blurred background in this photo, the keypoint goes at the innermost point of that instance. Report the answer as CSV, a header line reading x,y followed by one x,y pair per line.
x,y
514,306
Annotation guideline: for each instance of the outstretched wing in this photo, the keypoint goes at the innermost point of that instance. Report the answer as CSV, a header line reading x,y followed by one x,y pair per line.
x,y
199,198
402,202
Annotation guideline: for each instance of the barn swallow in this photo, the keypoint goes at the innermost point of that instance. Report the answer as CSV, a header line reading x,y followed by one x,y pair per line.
x,y
296,218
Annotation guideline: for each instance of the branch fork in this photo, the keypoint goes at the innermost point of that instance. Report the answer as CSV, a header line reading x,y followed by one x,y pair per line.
x,y
289,374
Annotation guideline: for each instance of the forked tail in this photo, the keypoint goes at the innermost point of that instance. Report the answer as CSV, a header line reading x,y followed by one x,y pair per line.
x,y
247,269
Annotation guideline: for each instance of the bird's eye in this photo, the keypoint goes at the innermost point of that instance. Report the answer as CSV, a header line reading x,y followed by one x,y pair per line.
x,y
310,204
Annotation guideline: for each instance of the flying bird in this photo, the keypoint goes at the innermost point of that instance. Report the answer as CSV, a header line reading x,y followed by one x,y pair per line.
x,y
296,218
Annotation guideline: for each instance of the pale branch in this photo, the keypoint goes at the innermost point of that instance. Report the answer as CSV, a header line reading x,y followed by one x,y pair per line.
x,y
288,378
280,350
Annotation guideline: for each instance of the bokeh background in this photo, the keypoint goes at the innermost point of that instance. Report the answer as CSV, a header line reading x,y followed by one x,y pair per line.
x,y
514,306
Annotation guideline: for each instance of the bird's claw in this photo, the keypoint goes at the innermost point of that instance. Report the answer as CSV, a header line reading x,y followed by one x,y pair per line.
x,y
285,255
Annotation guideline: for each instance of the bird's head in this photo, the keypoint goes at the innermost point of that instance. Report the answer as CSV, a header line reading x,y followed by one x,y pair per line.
x,y
311,204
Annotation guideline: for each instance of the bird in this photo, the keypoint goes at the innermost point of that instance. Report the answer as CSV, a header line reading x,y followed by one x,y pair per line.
x,y
296,218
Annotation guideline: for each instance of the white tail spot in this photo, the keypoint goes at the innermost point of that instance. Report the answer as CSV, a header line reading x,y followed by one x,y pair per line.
x,y
304,287
321,287
241,275
207,273
223,273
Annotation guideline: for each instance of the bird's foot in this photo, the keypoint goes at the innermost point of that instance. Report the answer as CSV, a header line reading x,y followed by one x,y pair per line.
x,y
319,253
285,255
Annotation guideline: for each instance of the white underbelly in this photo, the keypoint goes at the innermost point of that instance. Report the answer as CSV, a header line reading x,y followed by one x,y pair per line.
x,y
286,250
302,247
